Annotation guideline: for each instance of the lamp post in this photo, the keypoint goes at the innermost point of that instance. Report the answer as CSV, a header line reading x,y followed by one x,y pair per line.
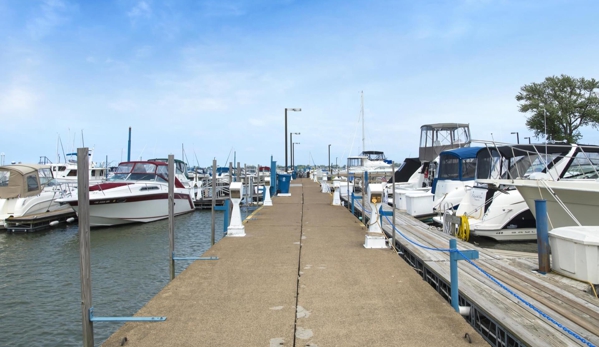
x,y
330,160
293,154
528,137
291,142
517,137
294,110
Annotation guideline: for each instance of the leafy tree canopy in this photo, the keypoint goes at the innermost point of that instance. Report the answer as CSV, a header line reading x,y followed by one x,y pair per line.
x,y
568,103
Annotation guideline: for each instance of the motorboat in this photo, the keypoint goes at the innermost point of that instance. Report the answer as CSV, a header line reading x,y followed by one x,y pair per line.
x,y
28,190
434,139
494,206
570,202
67,171
138,192
455,175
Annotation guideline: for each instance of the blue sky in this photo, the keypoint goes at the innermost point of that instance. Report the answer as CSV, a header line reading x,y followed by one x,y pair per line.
x,y
216,76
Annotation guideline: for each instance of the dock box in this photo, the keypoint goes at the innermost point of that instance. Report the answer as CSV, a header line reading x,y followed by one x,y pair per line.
x,y
419,203
575,252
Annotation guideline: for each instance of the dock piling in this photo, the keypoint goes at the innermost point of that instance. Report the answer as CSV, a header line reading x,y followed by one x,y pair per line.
x,y
454,256
85,245
171,212
212,231
542,237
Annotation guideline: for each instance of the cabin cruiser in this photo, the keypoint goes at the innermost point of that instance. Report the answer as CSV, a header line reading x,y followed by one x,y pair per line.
x,y
67,171
138,192
27,190
571,200
434,139
494,207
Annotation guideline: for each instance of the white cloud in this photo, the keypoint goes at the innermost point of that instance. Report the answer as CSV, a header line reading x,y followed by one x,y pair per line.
x,y
17,100
141,10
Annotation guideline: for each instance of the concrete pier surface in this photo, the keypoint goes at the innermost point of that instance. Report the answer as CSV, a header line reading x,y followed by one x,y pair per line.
x,y
301,277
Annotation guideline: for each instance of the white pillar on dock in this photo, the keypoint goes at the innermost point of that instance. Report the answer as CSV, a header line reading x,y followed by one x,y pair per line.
x,y
236,227
375,237
336,197
267,199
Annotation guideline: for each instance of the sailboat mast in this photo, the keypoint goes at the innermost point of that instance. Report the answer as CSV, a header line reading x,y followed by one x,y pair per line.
x,y
362,114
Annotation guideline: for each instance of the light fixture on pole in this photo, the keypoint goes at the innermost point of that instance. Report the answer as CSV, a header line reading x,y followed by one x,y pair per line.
x,y
528,137
294,110
330,160
291,142
517,136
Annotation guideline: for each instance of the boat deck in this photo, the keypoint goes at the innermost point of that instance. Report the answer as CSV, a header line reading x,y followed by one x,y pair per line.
x,y
500,316
38,221
300,277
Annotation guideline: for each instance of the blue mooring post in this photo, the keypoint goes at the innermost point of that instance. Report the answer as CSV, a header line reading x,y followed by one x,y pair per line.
x,y
543,246
273,177
129,146
353,209
365,181
224,208
454,256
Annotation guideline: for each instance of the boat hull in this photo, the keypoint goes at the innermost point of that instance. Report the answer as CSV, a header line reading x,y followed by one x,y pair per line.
x,y
118,211
33,205
580,197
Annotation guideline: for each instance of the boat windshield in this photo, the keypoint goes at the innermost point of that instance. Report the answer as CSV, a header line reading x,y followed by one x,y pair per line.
x,y
45,175
583,166
140,172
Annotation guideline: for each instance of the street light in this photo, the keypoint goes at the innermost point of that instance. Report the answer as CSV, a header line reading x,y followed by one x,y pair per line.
x,y
291,142
517,136
293,154
528,137
329,159
294,110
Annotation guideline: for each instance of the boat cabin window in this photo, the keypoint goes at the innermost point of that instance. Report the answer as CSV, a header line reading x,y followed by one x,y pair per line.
x,y
144,168
468,168
449,168
32,183
45,175
124,168
583,165
59,168
163,171
4,178
352,162
72,173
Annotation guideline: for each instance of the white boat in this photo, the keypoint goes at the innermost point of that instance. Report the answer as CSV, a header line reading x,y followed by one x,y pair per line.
x,y
569,202
455,174
138,192
494,207
27,190
67,171
434,139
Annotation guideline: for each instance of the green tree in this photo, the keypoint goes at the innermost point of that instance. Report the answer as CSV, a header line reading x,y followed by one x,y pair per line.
x,y
568,103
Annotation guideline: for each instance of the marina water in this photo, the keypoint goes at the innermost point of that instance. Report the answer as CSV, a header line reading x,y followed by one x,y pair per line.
x,y
40,289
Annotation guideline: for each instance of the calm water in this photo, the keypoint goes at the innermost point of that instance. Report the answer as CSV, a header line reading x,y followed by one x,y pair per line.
x,y
39,276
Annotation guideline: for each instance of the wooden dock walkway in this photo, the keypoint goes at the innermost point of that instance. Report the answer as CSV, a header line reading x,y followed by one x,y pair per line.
x,y
300,277
564,300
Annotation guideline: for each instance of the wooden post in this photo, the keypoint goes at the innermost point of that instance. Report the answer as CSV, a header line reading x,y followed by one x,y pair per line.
x,y
171,212
212,230
230,172
393,216
238,172
84,244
